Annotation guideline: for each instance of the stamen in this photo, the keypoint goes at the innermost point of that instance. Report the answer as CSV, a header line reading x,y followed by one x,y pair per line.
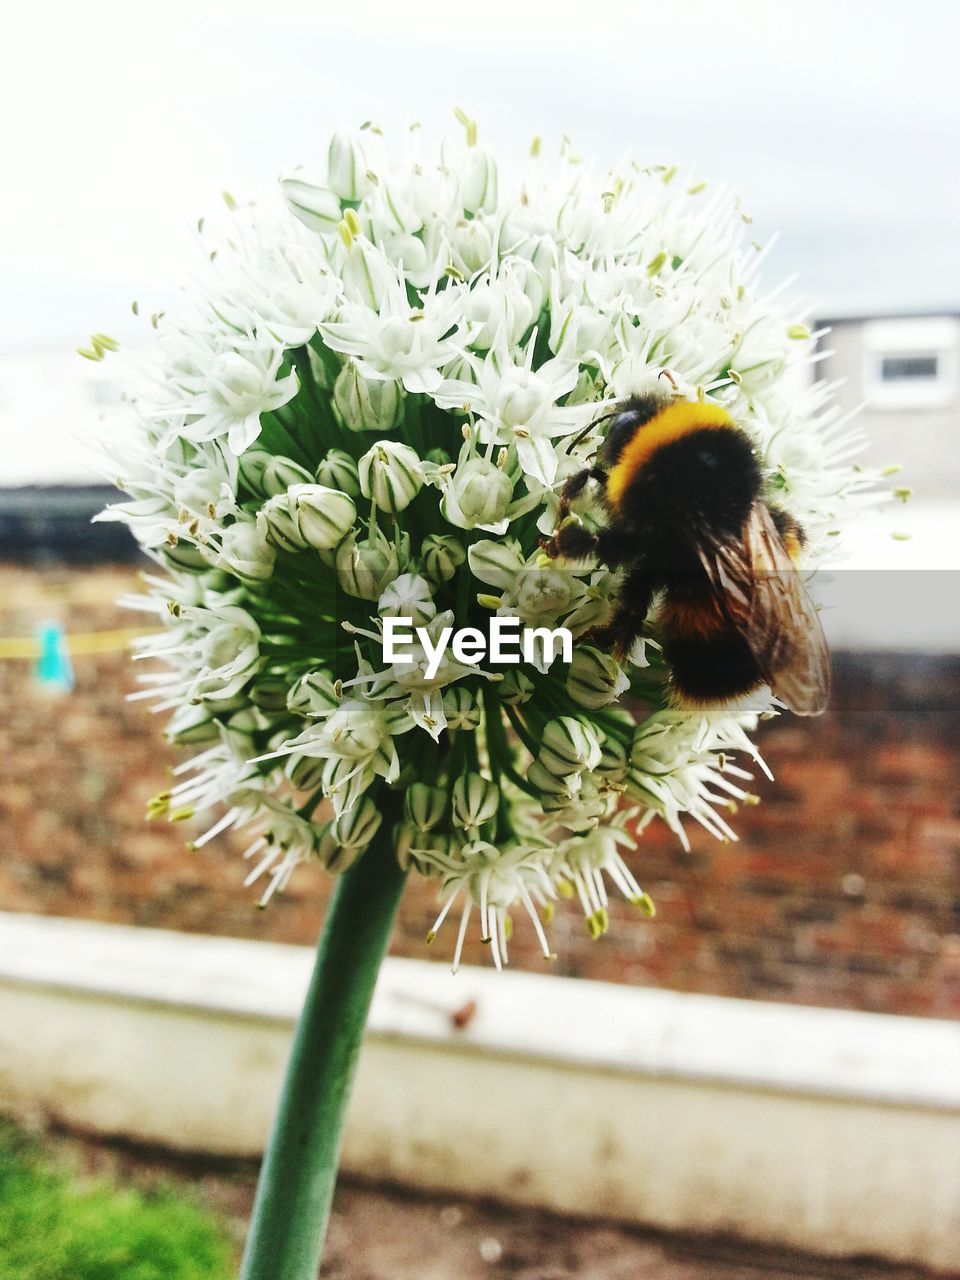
x,y
267,860
226,821
458,950
532,913
443,915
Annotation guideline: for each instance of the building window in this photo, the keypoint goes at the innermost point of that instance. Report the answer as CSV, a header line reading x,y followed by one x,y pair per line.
x,y
901,368
913,363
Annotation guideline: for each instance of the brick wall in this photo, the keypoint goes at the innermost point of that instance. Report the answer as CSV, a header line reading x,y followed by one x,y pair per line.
x,y
843,890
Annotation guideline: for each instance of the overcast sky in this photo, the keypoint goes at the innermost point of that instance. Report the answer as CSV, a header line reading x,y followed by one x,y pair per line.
x,y
837,122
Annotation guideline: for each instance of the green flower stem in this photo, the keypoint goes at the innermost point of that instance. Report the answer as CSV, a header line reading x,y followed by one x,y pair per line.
x,y
522,732
300,1166
498,747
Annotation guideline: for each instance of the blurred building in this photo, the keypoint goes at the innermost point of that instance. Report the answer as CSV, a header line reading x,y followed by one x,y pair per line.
x,y
904,370
55,407
843,889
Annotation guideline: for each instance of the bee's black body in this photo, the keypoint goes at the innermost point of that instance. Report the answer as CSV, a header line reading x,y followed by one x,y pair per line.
x,y
686,521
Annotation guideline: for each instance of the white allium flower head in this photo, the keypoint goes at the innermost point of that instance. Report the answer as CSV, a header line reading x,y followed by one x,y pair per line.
x,y
365,412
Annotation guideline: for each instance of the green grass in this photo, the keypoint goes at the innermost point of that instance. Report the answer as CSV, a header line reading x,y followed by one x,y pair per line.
x,y
53,1227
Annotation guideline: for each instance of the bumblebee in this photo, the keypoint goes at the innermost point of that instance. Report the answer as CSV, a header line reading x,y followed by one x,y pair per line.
x,y
688,524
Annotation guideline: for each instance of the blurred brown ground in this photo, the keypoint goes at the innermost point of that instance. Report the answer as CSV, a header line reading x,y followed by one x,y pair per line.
x,y
384,1233
843,890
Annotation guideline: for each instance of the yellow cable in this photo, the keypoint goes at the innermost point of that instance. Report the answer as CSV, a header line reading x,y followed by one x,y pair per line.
x,y
81,642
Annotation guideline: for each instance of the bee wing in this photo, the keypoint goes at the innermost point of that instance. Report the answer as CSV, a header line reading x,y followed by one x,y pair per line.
x,y
760,591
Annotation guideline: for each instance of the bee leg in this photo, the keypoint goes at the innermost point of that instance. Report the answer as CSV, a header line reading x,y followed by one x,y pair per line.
x,y
629,615
575,486
573,541
570,539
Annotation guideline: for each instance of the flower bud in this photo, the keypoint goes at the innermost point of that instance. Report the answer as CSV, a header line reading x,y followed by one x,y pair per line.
x,y
568,746
539,272
545,592
269,474
462,368
471,246
515,688
312,695
228,657
269,693
592,611
315,205
366,566
355,828
461,708
307,515
366,273
326,515
560,790
475,800
407,837
355,730
425,806
228,641
347,167
391,475
495,311
220,703
442,555
305,772
479,493
394,211
339,471
413,848
184,556
496,562
278,739
335,857
243,725
478,181
613,759
418,264
589,807
245,551
595,679
278,521
367,404
408,597
191,724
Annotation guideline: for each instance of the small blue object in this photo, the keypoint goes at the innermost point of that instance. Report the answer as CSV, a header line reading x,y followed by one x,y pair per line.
x,y
53,668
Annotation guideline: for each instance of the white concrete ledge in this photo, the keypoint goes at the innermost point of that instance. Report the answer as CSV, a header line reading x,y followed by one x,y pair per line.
x,y
827,1130
871,1057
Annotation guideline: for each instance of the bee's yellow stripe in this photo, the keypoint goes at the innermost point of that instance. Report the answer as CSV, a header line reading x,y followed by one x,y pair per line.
x,y
792,545
679,419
